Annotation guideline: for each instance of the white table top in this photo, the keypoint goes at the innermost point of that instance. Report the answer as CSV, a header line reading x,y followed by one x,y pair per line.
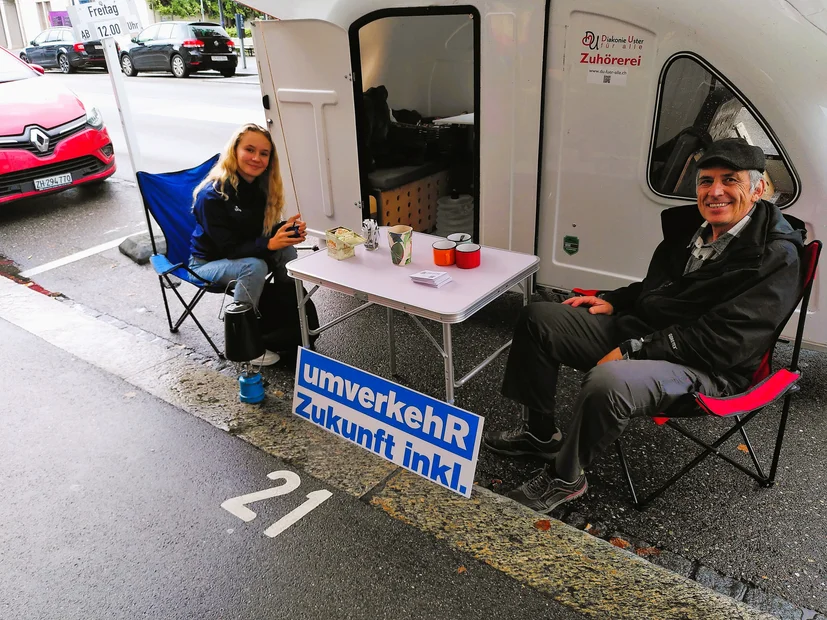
x,y
372,276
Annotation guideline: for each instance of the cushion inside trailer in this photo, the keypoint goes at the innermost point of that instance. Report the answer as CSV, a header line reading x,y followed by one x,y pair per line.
x,y
391,178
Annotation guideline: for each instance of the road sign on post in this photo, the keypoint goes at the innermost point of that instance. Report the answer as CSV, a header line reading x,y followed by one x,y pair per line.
x,y
103,20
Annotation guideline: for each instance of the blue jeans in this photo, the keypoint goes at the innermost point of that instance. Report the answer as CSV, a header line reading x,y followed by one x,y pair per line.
x,y
250,274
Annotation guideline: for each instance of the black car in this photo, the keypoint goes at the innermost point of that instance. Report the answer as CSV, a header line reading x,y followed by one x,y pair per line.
x,y
56,48
182,48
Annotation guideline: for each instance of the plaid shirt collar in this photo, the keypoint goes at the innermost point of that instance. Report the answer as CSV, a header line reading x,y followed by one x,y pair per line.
x,y
721,242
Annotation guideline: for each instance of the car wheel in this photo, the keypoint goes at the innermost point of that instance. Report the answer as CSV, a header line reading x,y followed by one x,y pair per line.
x,y
228,72
179,67
63,64
24,58
127,67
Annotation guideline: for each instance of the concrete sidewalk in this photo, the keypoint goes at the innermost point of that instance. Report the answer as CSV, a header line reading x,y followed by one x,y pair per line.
x,y
581,571
250,61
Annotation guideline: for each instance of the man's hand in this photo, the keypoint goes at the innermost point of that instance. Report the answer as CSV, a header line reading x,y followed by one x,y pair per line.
x,y
284,237
598,306
612,356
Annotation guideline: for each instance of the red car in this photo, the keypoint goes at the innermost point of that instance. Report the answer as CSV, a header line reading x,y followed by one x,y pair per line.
x,y
48,140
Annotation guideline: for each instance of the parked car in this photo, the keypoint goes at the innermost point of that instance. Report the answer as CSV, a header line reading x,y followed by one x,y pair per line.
x,y
56,48
48,140
182,48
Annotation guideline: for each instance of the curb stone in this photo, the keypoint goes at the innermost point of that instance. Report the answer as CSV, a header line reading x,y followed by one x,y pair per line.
x,y
720,583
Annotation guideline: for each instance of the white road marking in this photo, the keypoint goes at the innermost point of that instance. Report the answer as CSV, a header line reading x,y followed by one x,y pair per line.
x,y
236,506
28,273
314,500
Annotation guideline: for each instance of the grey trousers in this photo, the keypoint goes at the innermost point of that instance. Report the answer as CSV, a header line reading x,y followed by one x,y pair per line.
x,y
550,334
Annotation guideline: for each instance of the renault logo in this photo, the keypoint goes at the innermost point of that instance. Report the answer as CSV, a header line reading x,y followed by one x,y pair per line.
x,y
39,139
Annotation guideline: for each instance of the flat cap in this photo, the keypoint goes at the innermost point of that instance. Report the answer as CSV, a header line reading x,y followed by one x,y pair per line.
x,y
735,153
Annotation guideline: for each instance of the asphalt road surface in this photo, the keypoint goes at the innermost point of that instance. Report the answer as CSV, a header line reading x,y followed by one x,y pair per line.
x,y
179,123
115,506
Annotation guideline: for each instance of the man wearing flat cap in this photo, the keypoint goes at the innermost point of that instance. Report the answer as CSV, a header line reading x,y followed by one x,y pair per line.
x,y
714,296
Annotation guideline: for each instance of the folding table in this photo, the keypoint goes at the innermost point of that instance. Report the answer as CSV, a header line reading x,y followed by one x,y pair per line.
x,y
372,278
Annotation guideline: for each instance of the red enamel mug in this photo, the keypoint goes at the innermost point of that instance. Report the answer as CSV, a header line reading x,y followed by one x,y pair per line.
x,y
468,255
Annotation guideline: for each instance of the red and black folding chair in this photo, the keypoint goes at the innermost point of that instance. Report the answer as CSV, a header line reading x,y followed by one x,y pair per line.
x,y
766,388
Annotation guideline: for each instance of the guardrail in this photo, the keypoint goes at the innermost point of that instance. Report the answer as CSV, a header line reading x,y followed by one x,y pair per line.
x,y
249,50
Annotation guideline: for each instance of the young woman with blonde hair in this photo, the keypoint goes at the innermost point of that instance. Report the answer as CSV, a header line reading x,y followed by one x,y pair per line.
x,y
238,209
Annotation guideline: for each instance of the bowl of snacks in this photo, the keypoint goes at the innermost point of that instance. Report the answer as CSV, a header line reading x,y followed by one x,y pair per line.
x,y
341,241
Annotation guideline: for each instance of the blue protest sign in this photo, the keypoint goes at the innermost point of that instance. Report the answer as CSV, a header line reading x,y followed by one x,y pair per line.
x,y
424,435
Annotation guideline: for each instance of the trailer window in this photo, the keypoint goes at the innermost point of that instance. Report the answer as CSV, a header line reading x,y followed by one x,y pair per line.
x,y
695,107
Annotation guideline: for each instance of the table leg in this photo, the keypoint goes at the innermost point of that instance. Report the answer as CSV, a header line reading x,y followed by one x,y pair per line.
x,y
449,363
391,342
526,301
302,314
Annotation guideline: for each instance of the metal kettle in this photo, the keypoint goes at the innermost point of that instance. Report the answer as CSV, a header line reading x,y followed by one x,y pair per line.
x,y
242,334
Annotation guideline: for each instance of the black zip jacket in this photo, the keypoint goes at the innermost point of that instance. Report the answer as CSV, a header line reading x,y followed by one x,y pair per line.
x,y
230,228
723,317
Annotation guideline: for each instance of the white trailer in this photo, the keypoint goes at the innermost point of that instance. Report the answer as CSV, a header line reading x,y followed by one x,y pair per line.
x,y
587,116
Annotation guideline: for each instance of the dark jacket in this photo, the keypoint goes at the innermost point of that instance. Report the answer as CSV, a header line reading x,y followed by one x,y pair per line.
x,y
724,316
230,228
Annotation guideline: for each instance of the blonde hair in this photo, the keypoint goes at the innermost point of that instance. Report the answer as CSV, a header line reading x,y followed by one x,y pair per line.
x,y
226,171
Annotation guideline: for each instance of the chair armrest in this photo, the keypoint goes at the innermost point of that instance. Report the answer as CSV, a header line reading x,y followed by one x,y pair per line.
x,y
585,292
760,395
162,265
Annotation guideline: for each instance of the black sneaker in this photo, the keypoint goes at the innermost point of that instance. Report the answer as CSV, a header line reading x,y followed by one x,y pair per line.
x,y
545,492
521,442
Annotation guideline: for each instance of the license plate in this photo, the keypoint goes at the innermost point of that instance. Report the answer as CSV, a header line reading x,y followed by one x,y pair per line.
x,y
99,47
219,58
57,180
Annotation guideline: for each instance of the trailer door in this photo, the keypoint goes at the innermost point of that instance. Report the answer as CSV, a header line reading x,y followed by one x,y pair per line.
x,y
307,86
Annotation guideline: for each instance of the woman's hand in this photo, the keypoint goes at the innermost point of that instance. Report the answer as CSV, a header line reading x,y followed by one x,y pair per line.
x,y
285,236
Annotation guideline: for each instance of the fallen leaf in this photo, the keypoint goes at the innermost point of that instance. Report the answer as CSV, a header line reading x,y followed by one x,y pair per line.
x,y
544,525
619,542
462,569
279,393
743,448
764,577
644,551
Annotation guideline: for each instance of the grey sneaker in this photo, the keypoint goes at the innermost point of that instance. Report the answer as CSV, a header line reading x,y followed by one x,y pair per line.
x,y
545,492
521,442
268,359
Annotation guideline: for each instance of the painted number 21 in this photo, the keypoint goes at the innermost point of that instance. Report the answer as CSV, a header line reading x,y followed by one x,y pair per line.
x,y
238,505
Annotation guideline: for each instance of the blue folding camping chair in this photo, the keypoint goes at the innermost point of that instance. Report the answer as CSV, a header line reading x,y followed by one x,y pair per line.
x,y
168,197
